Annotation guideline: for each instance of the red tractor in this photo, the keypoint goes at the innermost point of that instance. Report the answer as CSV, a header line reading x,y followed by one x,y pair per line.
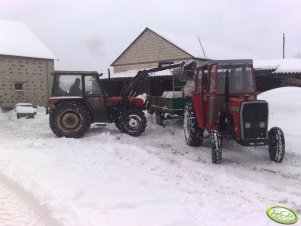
x,y
78,99
224,103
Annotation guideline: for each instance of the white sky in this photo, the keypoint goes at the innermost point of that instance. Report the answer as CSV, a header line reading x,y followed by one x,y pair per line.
x,y
91,34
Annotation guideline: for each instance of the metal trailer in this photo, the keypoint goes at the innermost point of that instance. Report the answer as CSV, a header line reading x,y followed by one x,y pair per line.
x,y
165,108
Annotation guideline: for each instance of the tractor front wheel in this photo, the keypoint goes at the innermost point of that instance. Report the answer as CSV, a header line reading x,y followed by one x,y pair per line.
x,y
193,134
216,146
69,119
119,125
276,144
133,122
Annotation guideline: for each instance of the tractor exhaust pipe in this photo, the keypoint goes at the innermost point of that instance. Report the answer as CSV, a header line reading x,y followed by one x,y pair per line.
x,y
109,74
227,87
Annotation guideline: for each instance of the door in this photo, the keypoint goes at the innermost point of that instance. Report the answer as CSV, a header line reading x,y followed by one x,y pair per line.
x,y
197,97
211,97
95,97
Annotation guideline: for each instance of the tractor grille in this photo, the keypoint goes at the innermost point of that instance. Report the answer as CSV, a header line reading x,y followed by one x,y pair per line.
x,y
254,119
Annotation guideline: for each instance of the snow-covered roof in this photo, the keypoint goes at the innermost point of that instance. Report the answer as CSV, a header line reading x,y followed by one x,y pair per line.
x,y
192,46
16,39
133,73
279,65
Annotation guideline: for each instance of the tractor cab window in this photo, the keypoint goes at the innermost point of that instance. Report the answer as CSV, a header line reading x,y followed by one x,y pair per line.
x,y
92,87
198,76
202,80
240,80
67,85
212,78
205,81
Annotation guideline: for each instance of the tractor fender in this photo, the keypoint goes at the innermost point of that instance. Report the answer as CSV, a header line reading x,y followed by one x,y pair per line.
x,y
55,101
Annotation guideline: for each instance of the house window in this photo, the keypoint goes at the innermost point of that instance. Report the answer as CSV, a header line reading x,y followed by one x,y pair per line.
x,y
19,86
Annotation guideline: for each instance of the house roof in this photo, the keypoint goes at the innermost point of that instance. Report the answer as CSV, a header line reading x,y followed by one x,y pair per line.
x,y
198,49
16,39
279,65
203,49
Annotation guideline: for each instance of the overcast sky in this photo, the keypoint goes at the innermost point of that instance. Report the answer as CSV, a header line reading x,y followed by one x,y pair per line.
x,y
91,34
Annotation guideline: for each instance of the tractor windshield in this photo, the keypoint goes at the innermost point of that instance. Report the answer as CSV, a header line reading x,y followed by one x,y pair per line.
x,y
241,79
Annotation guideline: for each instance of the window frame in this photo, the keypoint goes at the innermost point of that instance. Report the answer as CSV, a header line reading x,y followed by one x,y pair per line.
x,y
21,84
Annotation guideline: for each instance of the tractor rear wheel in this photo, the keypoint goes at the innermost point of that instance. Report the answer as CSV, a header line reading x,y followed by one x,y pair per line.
x,y
133,122
69,119
276,144
216,146
193,134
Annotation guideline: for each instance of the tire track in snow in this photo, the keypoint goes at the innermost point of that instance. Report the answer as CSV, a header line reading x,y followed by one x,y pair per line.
x,y
19,208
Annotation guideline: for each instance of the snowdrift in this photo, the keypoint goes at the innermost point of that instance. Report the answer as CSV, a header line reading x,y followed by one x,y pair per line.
x,y
109,178
284,108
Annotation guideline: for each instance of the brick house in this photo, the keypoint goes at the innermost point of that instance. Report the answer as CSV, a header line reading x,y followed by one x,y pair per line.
x,y
26,65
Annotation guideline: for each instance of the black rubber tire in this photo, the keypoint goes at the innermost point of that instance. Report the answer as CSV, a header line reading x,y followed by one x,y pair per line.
x,y
70,119
133,122
216,146
276,144
193,134
119,125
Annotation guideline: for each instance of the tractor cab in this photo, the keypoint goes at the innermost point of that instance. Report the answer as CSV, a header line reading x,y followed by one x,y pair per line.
x,y
212,75
72,83
81,85
221,86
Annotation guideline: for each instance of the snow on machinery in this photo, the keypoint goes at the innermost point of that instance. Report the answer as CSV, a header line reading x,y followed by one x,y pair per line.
x,y
224,103
78,100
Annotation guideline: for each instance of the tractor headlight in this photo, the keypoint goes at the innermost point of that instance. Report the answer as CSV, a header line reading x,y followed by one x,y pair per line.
x,y
247,125
262,124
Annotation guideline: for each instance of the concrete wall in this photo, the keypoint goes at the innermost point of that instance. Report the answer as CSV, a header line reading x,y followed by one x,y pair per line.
x,y
34,75
147,51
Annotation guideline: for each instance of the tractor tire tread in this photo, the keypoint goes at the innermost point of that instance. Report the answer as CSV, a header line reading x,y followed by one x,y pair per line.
x,y
195,136
53,122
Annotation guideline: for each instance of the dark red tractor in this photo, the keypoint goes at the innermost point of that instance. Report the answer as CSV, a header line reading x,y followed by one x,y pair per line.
x,y
78,99
224,103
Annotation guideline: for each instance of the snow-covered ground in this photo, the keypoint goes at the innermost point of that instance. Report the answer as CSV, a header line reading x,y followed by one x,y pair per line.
x,y
109,178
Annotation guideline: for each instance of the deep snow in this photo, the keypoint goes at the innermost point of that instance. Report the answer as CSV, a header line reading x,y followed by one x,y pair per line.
x,y
109,178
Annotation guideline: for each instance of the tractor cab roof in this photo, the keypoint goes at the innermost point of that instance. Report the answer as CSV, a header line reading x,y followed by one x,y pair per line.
x,y
76,73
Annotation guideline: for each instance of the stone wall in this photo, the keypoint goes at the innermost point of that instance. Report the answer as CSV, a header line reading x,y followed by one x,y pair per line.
x,y
147,51
24,80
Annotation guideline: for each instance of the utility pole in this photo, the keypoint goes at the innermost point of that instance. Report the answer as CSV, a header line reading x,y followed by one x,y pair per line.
x,y
283,46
